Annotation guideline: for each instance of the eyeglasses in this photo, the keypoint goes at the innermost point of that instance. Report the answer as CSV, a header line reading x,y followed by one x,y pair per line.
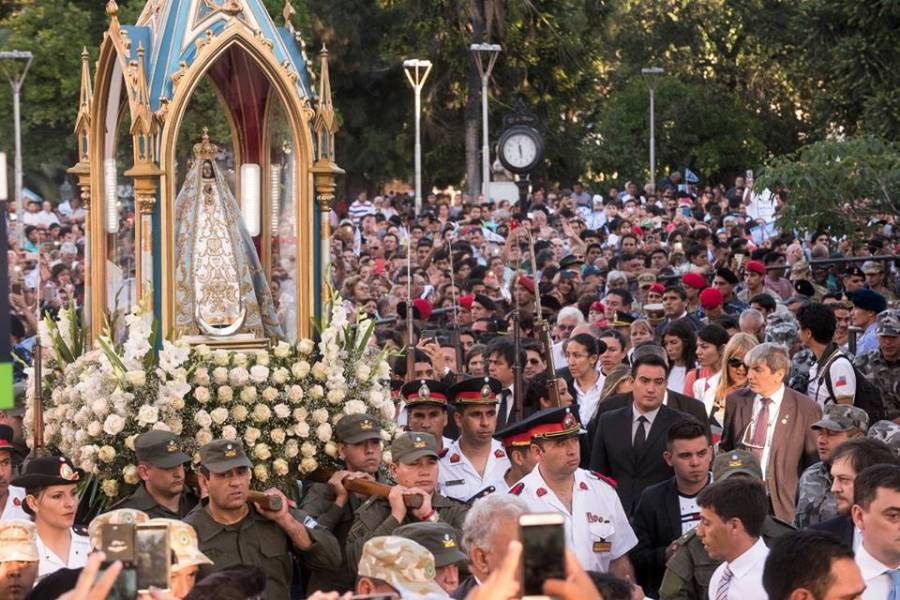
x,y
736,363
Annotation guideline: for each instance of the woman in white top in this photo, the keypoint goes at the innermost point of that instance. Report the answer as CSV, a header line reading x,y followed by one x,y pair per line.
x,y
582,353
680,343
51,488
711,340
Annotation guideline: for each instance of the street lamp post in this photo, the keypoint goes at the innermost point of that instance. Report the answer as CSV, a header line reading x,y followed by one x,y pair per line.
x,y
417,71
649,74
11,60
482,52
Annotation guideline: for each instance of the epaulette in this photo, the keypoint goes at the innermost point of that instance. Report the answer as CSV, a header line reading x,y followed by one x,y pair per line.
x,y
603,477
517,489
443,452
684,539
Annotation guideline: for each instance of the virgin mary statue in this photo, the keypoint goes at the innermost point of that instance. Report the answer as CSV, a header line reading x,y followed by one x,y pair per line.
x,y
220,287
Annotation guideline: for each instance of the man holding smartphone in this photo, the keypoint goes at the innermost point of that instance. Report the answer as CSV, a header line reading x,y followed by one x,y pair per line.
x,y
234,531
597,529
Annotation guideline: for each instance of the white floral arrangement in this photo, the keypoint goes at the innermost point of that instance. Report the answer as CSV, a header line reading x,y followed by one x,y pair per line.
x,y
282,404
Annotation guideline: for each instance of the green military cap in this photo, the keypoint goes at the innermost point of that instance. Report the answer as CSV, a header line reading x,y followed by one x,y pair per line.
x,y
353,429
160,448
438,538
887,323
734,462
842,417
408,447
401,563
220,456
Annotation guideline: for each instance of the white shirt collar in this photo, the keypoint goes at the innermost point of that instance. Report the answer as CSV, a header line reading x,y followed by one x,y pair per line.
x,y
776,397
650,416
746,561
869,566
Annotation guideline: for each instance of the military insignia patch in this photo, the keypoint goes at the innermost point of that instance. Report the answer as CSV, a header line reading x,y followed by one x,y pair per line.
x,y
448,541
172,447
517,489
454,458
499,453
541,492
583,485
419,443
230,451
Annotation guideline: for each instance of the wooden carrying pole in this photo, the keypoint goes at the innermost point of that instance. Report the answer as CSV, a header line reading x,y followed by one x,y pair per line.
x,y
366,487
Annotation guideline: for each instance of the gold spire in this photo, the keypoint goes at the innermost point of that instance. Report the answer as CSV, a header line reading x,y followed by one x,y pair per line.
x,y
288,13
205,150
83,120
112,9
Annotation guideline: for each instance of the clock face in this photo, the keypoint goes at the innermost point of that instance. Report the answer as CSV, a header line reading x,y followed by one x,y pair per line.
x,y
520,150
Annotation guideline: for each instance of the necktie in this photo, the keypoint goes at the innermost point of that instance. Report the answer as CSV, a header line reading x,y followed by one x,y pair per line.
x,y
724,583
502,409
762,428
894,574
640,436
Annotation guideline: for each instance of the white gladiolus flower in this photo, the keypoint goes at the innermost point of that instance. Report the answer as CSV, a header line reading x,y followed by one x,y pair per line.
x,y
261,473
335,396
238,377
262,358
173,355
308,465
240,359
280,467
203,419
239,413
262,452
202,394
308,449
248,395
302,429
110,487
282,349
270,394
201,376
130,475
107,454
94,428
136,378
316,392
229,432
259,373
280,376
113,425
251,434
320,415
220,375
219,415
300,369
295,394
363,371
305,346
220,357
278,435
225,394
282,411
331,449
291,449
261,413
129,442
203,437
323,432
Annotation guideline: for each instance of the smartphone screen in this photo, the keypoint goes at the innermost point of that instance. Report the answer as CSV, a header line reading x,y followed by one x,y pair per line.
x,y
152,556
125,587
543,551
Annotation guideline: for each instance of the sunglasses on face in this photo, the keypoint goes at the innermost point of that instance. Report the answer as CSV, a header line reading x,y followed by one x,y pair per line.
x,y
736,363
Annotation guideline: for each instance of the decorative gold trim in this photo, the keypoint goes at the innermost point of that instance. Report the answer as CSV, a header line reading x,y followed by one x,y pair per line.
x,y
299,117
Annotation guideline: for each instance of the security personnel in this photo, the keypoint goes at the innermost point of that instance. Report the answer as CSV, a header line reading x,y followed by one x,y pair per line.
x,y
690,568
443,542
476,461
427,410
597,528
414,467
359,445
516,440
162,493
11,497
233,531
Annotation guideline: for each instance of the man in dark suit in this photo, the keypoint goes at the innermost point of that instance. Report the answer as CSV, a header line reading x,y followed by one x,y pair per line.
x,y
629,442
674,303
847,461
667,510
775,423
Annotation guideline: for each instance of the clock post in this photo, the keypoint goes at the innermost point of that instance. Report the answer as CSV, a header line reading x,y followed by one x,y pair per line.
x,y
521,147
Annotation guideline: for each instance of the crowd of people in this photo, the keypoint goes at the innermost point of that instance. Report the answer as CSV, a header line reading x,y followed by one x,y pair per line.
x,y
709,404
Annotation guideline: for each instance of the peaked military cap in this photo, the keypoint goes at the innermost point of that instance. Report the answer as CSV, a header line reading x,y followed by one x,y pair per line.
x,y
425,391
220,456
353,429
479,390
160,448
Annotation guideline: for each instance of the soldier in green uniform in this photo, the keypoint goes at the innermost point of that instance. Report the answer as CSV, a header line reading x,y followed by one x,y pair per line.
x,y
359,445
234,531
882,365
414,467
690,568
162,493
442,541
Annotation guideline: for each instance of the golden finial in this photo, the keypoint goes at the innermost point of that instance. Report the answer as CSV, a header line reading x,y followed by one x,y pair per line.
x,y
205,150
288,13
112,9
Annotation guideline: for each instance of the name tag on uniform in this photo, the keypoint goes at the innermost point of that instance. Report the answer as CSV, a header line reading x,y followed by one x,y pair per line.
x,y
455,482
602,547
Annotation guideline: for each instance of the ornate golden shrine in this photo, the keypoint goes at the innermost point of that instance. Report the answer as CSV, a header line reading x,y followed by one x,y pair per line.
x,y
145,79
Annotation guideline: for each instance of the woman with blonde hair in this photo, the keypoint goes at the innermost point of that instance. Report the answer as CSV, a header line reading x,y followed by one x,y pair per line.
x,y
733,378
618,381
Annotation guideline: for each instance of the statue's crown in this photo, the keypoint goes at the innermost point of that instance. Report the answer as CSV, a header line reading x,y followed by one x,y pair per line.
x,y
205,150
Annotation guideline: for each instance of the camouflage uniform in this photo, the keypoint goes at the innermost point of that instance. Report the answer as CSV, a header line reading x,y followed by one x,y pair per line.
x,y
782,328
815,502
885,375
690,568
887,432
801,364
403,564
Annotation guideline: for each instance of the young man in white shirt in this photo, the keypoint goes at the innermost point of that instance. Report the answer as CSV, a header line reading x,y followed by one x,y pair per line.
x,y
732,513
876,513
832,379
